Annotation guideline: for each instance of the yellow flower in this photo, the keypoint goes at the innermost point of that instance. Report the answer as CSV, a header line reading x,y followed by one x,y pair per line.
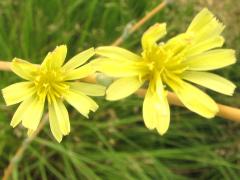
x,y
50,81
185,57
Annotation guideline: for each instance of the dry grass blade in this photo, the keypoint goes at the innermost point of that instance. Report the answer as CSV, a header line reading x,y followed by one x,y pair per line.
x,y
22,148
141,22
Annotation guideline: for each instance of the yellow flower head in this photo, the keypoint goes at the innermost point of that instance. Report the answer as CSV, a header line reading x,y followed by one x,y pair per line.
x,y
50,81
185,57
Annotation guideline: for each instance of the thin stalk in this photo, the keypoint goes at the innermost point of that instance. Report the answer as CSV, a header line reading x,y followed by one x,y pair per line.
x,y
18,155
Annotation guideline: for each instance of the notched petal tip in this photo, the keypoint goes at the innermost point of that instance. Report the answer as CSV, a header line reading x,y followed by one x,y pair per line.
x,y
205,25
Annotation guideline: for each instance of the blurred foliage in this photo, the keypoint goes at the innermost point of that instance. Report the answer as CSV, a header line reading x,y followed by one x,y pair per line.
x,y
114,143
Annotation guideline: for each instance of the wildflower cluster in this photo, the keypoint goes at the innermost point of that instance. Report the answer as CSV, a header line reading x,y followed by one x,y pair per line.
x,y
175,64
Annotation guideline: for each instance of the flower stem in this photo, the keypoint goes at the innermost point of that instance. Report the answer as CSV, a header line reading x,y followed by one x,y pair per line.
x,y
4,66
225,112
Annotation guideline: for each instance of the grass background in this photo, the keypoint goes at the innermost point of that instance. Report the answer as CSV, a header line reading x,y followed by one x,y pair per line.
x,y
113,143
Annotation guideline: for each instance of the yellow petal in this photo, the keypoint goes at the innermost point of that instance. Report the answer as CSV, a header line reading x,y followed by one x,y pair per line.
x,y
54,125
117,53
79,59
56,58
194,99
123,87
153,34
88,89
205,26
81,102
156,112
120,68
178,43
62,116
18,92
21,110
24,69
211,60
210,81
79,73
208,44
33,113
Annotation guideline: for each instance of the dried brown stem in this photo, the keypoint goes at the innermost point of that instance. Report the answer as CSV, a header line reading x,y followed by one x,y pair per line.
x,y
4,66
141,22
17,157
226,112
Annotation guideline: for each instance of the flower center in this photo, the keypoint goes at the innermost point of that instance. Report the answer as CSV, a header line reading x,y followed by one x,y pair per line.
x,y
50,83
164,61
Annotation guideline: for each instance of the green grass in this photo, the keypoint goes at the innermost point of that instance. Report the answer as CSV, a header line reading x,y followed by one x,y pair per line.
x,y
114,143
